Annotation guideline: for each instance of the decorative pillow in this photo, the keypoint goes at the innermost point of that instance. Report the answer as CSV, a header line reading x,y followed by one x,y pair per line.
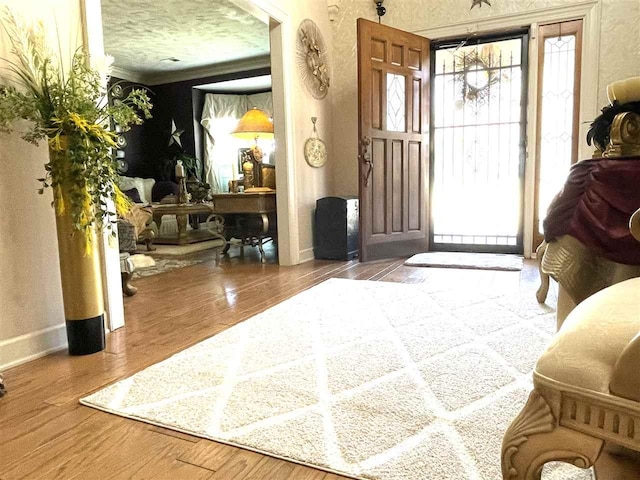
x,y
163,188
133,195
143,185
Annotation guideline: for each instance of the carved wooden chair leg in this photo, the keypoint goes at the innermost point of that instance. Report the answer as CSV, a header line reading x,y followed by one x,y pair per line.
x,y
534,438
128,289
541,294
263,257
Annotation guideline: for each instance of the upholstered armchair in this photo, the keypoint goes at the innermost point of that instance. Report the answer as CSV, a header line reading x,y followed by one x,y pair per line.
x,y
585,405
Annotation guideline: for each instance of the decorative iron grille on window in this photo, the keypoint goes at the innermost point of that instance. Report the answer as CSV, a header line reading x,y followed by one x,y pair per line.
x,y
478,134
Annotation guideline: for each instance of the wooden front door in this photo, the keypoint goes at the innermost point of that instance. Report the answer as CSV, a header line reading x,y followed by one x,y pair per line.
x,y
393,96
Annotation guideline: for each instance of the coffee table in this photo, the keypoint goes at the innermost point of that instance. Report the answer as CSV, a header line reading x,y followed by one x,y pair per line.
x,y
182,212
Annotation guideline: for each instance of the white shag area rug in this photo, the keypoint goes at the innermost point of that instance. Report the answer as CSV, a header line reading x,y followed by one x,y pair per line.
x,y
478,261
370,380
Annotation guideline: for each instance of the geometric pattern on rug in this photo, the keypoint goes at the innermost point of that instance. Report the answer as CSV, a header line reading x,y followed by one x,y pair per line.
x,y
371,380
473,261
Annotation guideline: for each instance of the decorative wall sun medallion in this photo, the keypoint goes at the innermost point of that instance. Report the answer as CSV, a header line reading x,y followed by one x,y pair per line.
x,y
315,150
479,3
313,60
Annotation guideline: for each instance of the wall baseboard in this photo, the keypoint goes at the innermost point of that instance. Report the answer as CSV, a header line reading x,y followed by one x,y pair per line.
x,y
25,348
306,255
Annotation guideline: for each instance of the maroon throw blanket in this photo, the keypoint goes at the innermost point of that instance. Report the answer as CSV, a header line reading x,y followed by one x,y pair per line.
x,y
595,206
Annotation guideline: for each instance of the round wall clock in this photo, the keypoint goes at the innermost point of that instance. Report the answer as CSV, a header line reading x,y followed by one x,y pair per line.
x,y
313,59
315,150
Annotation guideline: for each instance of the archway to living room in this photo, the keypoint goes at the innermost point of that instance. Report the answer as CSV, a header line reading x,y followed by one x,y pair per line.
x,y
179,133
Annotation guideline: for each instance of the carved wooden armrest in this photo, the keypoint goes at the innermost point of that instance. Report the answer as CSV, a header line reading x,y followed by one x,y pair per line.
x,y
625,136
625,381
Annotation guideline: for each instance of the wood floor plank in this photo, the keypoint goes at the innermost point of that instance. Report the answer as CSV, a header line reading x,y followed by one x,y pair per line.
x,y
300,472
239,465
271,468
18,440
173,433
208,454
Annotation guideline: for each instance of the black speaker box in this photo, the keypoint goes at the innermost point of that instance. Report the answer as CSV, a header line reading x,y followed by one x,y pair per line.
x,y
336,228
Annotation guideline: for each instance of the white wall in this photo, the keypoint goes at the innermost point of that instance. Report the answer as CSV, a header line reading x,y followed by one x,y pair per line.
x,y
619,54
310,183
31,312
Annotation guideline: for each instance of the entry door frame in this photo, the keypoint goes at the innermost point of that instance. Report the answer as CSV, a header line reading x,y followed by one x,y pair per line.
x,y
523,34
590,11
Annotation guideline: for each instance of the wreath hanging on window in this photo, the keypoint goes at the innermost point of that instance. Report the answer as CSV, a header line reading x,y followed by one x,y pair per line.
x,y
480,72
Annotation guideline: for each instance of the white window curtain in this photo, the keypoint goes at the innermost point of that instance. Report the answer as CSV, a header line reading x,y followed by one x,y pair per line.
x,y
220,116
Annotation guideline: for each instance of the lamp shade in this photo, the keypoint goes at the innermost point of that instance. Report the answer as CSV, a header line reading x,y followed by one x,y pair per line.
x,y
255,123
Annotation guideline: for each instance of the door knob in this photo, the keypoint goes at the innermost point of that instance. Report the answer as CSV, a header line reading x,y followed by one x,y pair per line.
x,y
365,155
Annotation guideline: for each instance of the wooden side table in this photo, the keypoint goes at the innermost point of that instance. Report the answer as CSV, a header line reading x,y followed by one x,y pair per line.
x,y
251,217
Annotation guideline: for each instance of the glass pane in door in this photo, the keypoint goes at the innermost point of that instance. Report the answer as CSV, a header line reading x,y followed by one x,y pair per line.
x,y
557,123
478,146
396,103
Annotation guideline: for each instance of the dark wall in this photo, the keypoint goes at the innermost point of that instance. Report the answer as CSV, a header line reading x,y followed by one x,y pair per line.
x,y
183,103
148,144
135,154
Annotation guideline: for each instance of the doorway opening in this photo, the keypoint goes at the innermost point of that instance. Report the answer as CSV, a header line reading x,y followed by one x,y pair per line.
x,y
277,22
478,143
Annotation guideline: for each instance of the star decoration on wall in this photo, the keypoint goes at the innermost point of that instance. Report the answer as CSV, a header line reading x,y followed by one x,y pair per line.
x,y
479,3
175,134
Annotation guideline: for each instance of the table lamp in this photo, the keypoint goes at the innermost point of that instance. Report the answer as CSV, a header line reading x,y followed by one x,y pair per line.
x,y
253,125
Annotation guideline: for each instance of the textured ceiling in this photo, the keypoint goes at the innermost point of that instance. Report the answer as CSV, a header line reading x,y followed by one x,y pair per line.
x,y
198,32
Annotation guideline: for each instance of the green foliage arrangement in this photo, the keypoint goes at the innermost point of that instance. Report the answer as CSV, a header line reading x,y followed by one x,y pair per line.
x,y
69,110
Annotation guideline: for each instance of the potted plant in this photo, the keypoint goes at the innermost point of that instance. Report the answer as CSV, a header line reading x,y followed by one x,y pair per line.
x,y
66,107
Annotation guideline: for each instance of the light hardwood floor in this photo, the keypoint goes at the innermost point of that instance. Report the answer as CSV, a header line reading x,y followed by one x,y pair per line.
x,y
46,434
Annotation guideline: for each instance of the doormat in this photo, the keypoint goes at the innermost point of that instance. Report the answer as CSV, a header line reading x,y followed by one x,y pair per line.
x,y
371,380
474,261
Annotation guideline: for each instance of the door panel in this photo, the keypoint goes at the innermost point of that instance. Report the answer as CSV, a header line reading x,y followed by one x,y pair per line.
x,y
393,80
376,100
396,186
415,186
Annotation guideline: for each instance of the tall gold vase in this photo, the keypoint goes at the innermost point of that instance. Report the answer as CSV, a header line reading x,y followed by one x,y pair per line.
x,y
82,292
